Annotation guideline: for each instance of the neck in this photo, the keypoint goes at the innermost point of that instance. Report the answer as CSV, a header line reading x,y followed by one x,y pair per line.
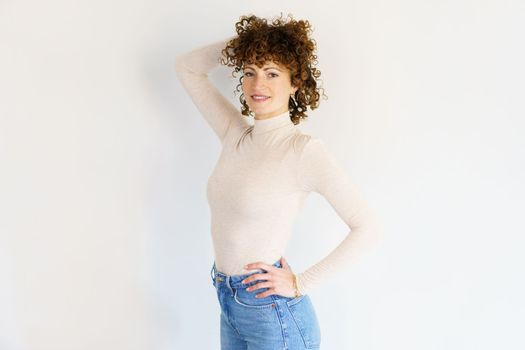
x,y
269,124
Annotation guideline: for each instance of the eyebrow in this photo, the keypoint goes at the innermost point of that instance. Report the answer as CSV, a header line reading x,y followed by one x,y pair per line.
x,y
272,67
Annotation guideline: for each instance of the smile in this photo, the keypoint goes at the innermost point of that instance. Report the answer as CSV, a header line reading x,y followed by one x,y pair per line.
x,y
259,98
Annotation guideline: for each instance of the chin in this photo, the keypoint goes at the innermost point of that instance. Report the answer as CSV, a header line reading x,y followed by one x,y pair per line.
x,y
262,110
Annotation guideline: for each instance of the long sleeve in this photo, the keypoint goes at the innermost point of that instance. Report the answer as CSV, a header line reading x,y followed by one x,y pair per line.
x,y
192,69
320,171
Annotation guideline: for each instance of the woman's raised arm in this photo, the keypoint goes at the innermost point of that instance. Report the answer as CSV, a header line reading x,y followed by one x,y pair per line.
x,y
192,69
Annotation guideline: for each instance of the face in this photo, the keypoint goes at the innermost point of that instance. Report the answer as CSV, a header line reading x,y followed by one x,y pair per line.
x,y
267,89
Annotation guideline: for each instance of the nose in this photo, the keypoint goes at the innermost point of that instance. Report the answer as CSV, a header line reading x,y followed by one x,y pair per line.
x,y
258,82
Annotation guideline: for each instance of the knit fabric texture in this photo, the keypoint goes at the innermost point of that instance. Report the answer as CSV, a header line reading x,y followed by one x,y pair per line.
x,y
265,171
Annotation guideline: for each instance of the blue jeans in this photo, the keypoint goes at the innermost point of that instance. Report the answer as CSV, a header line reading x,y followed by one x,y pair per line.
x,y
269,323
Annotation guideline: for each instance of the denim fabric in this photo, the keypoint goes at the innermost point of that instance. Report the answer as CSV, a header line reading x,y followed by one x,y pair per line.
x,y
269,323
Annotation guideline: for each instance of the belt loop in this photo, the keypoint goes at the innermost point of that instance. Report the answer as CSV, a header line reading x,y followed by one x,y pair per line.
x,y
228,284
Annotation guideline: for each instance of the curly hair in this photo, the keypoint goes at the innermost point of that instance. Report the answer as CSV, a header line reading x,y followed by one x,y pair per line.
x,y
284,42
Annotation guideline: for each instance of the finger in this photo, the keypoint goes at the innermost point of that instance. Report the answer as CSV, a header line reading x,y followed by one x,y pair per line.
x,y
260,265
265,294
257,276
259,286
284,263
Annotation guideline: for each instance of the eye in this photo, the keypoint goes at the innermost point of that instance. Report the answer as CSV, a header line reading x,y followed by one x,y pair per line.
x,y
248,74
274,74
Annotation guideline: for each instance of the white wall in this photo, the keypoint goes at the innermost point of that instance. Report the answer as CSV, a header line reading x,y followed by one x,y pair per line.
x,y
104,225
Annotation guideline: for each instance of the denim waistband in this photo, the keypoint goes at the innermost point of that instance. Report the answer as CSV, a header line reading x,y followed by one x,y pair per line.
x,y
235,281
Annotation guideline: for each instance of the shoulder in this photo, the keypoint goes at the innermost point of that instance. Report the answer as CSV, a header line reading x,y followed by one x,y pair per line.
x,y
301,141
317,166
317,158
308,145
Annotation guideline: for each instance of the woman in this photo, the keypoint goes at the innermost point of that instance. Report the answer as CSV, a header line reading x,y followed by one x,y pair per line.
x,y
264,174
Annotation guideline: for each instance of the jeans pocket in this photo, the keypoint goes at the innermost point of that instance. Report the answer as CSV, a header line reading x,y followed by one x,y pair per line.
x,y
304,316
247,298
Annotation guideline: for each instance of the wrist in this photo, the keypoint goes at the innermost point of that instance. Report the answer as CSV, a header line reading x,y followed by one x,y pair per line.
x,y
296,289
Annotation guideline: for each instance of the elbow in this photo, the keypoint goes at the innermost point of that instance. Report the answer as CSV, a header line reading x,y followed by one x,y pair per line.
x,y
372,229
377,230
183,62
185,66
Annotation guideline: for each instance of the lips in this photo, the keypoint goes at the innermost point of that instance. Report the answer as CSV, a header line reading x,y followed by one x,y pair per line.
x,y
259,98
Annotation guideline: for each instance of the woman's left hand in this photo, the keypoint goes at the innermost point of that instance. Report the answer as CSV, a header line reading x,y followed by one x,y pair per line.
x,y
277,280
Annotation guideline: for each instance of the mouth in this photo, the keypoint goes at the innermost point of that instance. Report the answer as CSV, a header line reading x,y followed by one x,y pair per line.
x,y
259,98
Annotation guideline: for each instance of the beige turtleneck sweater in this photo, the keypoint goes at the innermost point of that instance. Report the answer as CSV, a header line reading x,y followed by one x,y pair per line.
x,y
264,174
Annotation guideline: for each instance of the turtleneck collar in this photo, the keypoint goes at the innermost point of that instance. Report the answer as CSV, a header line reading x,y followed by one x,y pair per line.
x,y
264,125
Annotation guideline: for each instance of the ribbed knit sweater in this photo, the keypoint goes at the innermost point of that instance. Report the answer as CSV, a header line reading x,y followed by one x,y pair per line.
x,y
264,173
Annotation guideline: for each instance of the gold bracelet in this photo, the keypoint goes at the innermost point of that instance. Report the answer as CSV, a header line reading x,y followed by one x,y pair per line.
x,y
296,290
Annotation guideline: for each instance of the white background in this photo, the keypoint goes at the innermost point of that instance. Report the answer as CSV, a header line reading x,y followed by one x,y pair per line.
x,y
104,224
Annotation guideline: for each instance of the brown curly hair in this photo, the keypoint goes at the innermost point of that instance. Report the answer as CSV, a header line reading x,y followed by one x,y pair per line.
x,y
284,42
